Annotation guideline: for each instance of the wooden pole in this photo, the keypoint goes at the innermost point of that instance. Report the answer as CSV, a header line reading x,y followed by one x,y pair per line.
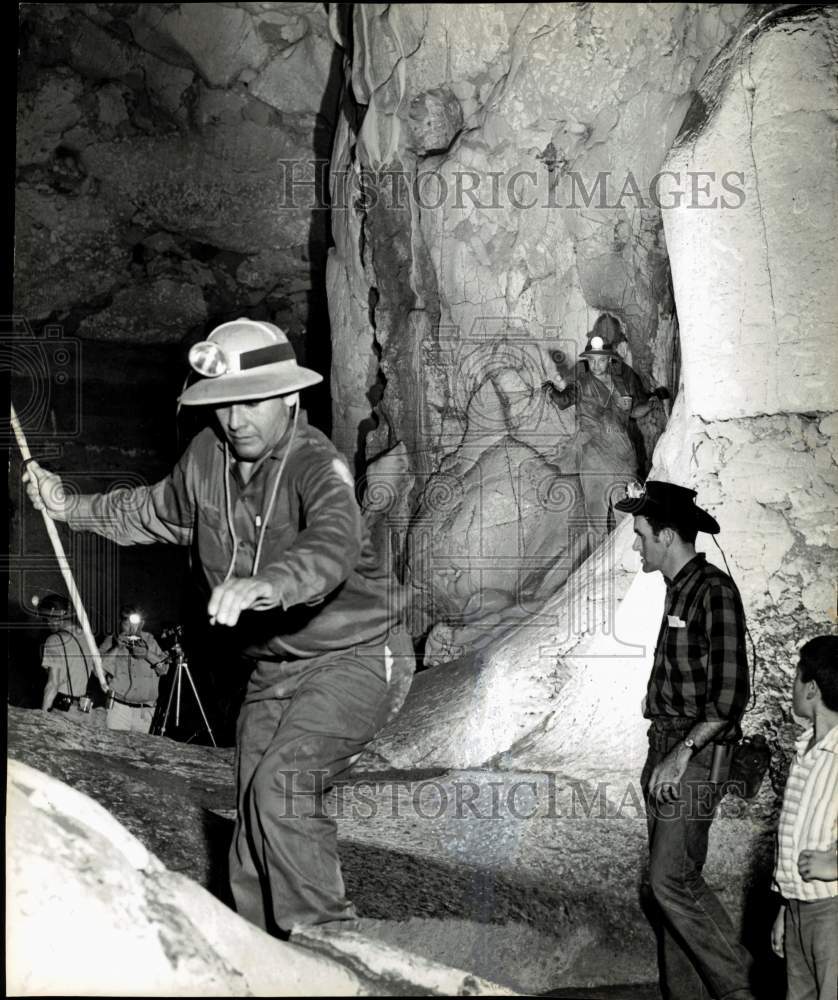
x,y
63,564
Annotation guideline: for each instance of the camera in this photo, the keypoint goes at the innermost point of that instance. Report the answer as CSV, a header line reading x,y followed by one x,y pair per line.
x,y
130,627
171,635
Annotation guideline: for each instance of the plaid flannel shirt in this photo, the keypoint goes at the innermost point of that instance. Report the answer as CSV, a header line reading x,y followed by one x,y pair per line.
x,y
700,669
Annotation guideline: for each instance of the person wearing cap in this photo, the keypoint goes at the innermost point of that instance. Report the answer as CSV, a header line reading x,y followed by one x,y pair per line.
x,y
606,395
134,663
269,504
64,657
697,693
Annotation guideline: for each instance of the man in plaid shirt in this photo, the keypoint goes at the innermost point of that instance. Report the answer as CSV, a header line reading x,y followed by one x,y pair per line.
x,y
696,696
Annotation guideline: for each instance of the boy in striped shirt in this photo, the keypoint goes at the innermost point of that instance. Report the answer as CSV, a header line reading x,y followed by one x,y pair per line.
x,y
806,871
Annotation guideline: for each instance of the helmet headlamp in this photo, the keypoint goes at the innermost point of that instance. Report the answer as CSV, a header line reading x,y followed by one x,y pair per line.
x,y
210,360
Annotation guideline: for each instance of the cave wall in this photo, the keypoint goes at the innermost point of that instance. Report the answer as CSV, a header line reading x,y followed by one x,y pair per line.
x,y
756,434
494,190
158,151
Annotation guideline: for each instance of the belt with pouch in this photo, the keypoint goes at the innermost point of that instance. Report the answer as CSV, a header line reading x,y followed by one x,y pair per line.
x,y
134,704
665,732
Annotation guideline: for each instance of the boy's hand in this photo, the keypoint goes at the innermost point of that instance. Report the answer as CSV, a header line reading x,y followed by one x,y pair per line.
x,y
778,933
818,865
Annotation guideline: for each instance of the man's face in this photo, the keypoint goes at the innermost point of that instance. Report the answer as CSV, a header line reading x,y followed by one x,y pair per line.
x,y
599,365
652,549
253,429
801,707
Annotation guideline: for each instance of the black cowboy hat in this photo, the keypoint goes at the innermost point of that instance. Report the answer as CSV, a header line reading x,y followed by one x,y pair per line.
x,y
668,503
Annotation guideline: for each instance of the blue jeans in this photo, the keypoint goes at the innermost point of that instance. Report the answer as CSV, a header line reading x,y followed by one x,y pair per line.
x,y
700,955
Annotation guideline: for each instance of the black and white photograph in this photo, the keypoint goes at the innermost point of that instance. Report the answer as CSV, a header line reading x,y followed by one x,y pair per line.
x,y
422,451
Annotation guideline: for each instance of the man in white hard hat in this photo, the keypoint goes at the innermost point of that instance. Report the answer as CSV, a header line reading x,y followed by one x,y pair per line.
x,y
607,394
270,505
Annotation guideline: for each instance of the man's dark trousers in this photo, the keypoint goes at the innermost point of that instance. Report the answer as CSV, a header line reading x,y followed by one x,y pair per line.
x,y
284,865
700,953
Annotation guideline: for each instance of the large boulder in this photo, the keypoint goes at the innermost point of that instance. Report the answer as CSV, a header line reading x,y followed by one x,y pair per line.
x,y
90,912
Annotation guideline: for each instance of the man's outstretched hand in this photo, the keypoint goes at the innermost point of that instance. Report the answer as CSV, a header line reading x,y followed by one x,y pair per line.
x,y
46,491
229,599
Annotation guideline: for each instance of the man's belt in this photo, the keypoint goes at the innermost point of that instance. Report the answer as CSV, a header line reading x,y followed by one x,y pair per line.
x,y
665,732
134,704
671,724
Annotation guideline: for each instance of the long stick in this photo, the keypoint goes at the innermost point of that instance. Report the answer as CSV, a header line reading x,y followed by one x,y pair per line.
x,y
63,565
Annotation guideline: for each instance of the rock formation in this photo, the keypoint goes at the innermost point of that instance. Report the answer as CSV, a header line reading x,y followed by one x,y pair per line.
x,y
105,897
494,183
163,154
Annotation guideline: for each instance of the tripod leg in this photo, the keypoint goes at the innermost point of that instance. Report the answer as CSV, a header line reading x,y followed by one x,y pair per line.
x,y
177,701
169,703
198,700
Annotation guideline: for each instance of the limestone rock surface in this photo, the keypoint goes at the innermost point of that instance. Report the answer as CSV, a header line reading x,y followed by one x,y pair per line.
x,y
754,429
167,168
494,182
92,912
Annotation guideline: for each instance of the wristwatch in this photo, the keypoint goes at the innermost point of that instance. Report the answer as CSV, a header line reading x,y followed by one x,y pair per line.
x,y
689,743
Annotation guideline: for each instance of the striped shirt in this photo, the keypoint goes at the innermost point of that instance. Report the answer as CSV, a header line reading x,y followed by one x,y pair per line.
x,y
809,817
700,670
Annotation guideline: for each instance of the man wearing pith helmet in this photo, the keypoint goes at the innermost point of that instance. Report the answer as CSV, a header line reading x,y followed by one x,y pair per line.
x,y
270,505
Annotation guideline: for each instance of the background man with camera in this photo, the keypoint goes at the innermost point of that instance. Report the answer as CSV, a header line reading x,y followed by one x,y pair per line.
x,y
134,664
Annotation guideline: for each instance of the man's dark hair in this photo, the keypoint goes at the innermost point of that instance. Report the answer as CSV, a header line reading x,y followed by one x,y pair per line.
x,y
687,533
819,663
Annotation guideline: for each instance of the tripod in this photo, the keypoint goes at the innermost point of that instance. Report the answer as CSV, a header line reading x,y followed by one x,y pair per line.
x,y
181,668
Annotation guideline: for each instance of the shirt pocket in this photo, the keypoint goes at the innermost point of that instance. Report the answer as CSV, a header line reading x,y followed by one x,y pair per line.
x,y
215,546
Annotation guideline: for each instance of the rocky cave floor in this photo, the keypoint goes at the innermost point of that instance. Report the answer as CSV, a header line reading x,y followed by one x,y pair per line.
x,y
432,864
